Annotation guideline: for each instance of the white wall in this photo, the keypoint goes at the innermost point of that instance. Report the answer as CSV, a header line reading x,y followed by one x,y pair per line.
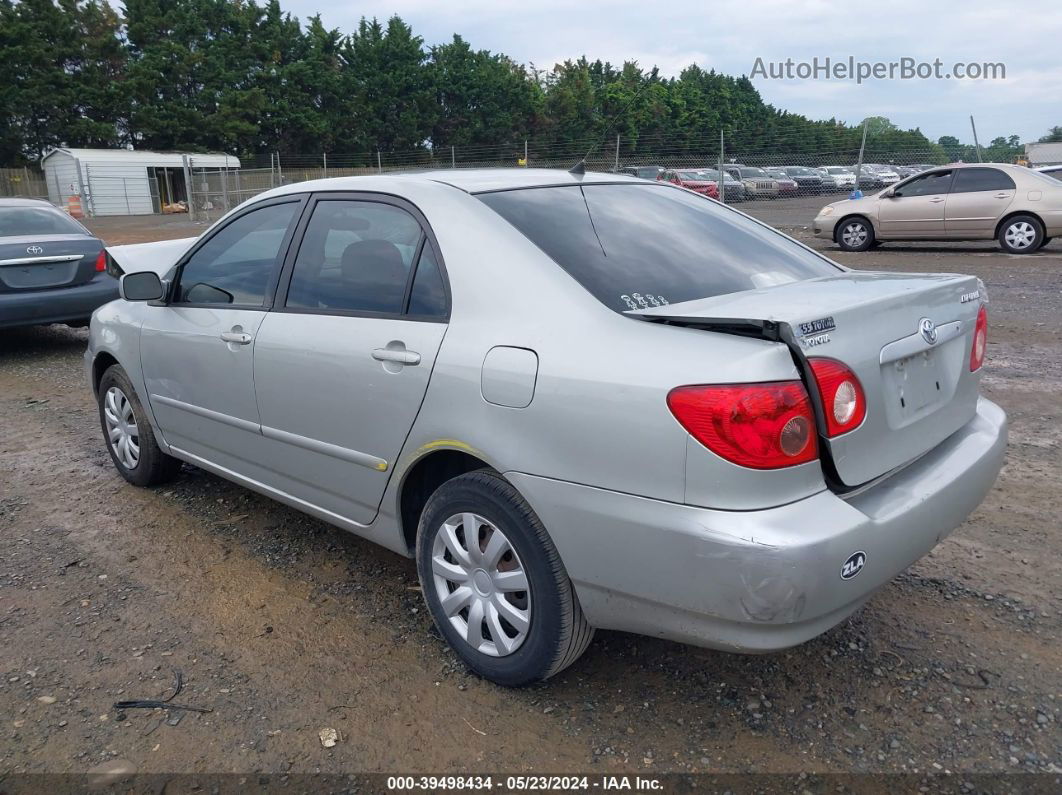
x,y
60,173
115,188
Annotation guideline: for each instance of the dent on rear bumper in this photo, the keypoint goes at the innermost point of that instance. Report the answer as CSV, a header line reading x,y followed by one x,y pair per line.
x,y
760,580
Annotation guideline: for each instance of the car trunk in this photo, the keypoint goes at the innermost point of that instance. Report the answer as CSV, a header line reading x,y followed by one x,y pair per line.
x,y
38,262
918,392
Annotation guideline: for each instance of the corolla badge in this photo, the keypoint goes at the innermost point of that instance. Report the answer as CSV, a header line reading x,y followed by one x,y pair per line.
x,y
34,250
929,330
855,563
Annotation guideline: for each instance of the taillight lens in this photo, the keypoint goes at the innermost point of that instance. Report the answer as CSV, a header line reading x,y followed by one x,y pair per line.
x,y
761,426
843,401
977,352
101,261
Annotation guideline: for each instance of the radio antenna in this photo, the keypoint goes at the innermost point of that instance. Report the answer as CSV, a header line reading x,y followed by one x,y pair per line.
x,y
580,168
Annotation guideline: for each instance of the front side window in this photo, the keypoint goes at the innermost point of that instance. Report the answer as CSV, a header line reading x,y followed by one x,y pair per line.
x,y
634,246
927,185
355,256
968,180
236,264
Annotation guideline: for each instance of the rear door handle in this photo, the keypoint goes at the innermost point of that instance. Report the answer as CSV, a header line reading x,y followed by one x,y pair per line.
x,y
937,199
236,337
397,356
1002,195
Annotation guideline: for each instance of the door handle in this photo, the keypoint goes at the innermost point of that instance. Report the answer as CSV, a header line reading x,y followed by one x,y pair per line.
x,y
1002,195
236,337
396,356
937,199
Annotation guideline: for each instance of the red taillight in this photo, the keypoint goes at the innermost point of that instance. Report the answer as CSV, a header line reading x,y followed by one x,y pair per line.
x,y
977,352
101,261
761,426
843,401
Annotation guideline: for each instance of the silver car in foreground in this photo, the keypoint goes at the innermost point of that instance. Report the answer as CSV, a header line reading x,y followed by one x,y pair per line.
x,y
578,400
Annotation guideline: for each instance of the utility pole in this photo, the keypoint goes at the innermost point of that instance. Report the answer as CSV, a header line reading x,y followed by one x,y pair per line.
x,y
722,175
977,146
525,153
453,157
324,163
617,152
379,162
859,163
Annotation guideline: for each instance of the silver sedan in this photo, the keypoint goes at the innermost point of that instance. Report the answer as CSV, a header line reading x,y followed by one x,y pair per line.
x,y
578,400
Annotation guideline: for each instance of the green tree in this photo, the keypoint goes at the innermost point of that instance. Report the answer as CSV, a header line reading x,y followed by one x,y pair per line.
x,y
1054,135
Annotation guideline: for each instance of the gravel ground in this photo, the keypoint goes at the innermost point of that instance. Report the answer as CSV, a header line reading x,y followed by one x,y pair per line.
x,y
284,626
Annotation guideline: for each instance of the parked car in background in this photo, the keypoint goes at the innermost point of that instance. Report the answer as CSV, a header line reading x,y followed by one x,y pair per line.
x,y
787,186
733,189
52,269
869,178
643,172
807,179
1019,207
697,180
758,183
1051,171
842,176
905,171
708,475
886,173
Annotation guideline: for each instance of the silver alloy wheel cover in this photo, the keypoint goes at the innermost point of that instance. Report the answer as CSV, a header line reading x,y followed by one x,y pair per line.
x,y
854,233
473,590
123,435
1020,235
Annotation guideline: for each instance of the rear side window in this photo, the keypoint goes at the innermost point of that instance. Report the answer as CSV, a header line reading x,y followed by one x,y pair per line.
x,y
968,180
428,296
635,246
37,221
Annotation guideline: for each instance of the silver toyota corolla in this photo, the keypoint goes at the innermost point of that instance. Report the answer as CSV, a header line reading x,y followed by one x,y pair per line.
x,y
578,400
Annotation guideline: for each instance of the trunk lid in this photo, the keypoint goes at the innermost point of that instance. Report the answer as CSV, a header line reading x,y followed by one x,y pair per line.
x,y
918,391
39,262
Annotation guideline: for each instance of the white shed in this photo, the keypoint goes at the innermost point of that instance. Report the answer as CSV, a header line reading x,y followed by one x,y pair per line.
x,y
1044,154
124,181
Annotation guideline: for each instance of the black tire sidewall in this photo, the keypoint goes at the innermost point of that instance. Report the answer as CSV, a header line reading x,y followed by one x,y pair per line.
x,y
866,244
146,471
1037,242
475,493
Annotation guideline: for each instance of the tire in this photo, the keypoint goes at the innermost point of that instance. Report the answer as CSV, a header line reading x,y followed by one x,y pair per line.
x,y
1046,241
142,462
854,234
1022,234
541,630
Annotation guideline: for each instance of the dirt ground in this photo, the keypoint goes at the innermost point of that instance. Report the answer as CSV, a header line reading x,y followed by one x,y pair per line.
x,y
284,626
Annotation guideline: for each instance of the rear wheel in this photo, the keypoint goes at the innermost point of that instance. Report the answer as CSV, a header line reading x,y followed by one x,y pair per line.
x,y
855,234
1022,234
494,582
130,440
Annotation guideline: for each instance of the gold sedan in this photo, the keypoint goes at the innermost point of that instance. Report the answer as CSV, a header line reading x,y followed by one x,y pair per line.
x,y
1020,208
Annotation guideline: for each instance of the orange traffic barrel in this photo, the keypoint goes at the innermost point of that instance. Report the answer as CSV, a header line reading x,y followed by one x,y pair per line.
x,y
73,207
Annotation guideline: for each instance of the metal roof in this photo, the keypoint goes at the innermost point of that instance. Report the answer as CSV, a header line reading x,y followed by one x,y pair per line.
x,y
146,158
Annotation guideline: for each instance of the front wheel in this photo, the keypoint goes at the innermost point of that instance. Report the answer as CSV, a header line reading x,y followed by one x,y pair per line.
x,y
855,234
494,582
1022,234
127,432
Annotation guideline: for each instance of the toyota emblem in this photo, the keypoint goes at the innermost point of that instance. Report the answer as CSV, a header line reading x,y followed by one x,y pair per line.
x,y
928,329
34,250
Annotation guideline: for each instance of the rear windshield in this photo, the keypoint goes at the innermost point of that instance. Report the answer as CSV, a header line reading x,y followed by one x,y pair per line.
x,y
634,246
36,221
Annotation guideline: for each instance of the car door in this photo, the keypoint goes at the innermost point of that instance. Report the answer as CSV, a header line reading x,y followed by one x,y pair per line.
x,y
915,208
979,197
342,362
196,348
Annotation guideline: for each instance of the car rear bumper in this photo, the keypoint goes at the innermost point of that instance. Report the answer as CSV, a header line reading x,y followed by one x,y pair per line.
x,y
57,304
757,581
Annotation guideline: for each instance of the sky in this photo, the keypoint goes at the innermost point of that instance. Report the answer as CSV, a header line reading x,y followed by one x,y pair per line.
x,y
729,36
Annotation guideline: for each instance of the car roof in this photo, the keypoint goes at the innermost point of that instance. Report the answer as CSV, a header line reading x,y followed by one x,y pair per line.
x,y
19,201
479,180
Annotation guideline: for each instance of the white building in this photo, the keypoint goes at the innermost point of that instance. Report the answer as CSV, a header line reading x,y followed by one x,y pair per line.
x,y
124,181
1044,154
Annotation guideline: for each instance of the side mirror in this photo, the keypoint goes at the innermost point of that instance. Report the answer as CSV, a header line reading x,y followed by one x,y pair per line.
x,y
889,194
142,286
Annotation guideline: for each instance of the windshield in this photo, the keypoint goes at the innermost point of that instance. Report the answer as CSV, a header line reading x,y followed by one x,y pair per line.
x,y
777,172
837,170
799,171
633,246
754,172
36,221
695,176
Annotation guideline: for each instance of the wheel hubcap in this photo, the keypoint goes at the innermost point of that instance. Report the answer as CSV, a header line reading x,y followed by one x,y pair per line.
x,y
1020,235
854,234
481,584
122,432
